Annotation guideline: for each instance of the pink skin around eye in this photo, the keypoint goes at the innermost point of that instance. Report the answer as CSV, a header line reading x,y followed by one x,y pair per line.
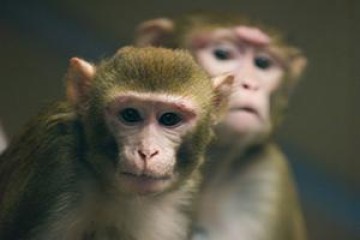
x,y
158,103
253,35
187,112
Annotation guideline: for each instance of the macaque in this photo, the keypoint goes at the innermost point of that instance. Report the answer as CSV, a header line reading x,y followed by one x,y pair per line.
x,y
248,192
120,157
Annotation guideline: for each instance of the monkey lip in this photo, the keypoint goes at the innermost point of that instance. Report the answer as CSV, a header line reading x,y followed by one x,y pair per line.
x,y
145,177
246,109
145,183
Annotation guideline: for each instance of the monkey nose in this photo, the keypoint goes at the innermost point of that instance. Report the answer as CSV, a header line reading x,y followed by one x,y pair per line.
x,y
249,85
147,154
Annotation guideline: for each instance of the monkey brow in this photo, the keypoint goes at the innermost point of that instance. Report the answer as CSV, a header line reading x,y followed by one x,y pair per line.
x,y
179,103
222,36
189,112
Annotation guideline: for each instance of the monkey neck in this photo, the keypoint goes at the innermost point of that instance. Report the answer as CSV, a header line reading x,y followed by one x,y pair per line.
x,y
118,217
229,142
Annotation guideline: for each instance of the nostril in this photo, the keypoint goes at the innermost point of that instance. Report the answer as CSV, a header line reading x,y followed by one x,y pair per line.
x,y
147,154
154,153
141,154
249,85
245,85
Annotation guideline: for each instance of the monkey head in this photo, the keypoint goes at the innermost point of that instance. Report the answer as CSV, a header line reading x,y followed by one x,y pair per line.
x,y
265,67
147,116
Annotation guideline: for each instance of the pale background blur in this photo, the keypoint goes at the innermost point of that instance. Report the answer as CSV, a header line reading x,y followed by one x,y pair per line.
x,y
321,134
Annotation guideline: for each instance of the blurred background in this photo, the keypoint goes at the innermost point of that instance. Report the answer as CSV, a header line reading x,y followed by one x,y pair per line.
x,y
321,134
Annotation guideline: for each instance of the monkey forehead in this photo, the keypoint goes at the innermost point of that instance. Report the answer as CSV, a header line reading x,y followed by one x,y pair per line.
x,y
248,35
152,69
199,39
155,60
181,102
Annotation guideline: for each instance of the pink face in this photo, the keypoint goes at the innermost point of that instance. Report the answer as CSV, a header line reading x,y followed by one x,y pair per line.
x,y
149,129
243,52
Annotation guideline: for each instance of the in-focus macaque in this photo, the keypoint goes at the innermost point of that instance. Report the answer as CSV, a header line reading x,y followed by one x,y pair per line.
x,y
120,157
248,191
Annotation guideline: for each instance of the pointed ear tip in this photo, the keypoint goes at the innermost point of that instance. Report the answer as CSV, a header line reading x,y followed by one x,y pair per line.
x,y
81,63
78,59
75,61
223,79
163,23
228,79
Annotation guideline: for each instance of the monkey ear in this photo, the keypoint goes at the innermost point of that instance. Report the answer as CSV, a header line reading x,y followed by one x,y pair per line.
x,y
298,65
153,32
223,86
78,80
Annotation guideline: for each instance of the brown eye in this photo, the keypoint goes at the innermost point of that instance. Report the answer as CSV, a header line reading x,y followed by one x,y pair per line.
x,y
169,119
130,115
262,62
222,54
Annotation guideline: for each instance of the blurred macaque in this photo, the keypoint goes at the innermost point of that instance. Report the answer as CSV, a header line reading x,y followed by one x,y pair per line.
x,y
120,157
248,191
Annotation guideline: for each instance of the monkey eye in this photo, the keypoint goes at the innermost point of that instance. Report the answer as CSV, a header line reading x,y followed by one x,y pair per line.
x,y
222,53
130,115
170,119
262,62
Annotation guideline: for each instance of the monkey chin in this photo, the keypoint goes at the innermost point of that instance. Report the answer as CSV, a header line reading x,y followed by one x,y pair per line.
x,y
144,184
243,120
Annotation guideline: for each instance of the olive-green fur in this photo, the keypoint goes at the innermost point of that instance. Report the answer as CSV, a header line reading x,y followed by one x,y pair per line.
x,y
156,70
48,142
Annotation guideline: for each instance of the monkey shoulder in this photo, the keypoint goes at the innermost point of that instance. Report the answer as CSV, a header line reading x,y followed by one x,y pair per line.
x,y
28,163
52,123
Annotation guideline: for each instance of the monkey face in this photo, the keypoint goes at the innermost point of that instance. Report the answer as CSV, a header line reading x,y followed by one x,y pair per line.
x,y
149,129
244,53
147,114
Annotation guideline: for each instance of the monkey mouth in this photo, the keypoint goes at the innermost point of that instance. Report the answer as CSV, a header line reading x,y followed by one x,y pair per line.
x,y
145,176
144,184
246,109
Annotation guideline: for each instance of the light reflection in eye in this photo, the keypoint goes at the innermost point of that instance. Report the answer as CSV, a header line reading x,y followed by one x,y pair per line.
x,y
263,62
224,51
130,115
170,119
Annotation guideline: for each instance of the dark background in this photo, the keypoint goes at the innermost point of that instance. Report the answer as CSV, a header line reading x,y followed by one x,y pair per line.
x,y
321,134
